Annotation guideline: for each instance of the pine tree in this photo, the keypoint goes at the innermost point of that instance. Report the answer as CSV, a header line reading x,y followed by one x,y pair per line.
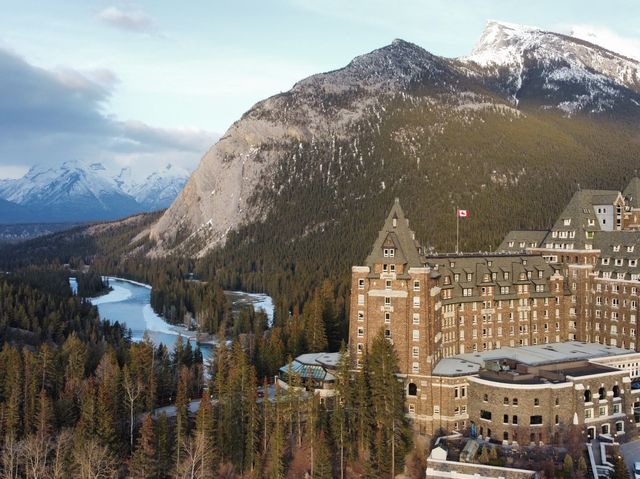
x,y
164,445
315,326
323,465
204,434
342,402
391,438
275,458
182,412
143,462
619,470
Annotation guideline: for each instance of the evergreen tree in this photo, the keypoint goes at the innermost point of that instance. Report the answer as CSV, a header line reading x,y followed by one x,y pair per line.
x,y
391,435
619,470
323,465
144,461
315,326
164,445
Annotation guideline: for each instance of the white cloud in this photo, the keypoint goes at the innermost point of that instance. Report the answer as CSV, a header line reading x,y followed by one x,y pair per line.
x,y
129,20
606,38
48,117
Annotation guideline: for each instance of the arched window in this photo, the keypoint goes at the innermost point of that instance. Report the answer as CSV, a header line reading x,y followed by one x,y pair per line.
x,y
587,396
413,390
616,391
602,392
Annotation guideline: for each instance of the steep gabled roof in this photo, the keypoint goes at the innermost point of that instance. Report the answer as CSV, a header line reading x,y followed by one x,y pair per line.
x,y
632,192
531,239
581,214
398,234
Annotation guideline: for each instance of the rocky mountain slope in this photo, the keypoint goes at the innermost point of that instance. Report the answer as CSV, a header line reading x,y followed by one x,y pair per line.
x,y
528,114
77,191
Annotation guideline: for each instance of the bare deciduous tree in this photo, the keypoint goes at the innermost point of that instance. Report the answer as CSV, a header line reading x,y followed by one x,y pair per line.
x,y
93,461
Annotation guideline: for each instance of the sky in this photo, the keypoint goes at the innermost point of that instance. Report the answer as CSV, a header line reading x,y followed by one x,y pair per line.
x,y
143,83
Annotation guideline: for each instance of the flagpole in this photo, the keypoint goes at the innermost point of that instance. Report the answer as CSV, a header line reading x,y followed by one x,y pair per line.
x,y
457,229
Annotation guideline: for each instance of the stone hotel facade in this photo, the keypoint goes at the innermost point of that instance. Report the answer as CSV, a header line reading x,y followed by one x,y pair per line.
x,y
548,320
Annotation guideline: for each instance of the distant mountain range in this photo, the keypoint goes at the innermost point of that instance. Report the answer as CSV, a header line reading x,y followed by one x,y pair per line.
x,y
77,191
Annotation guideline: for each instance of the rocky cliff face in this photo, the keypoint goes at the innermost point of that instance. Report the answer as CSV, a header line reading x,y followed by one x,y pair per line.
x,y
513,72
217,197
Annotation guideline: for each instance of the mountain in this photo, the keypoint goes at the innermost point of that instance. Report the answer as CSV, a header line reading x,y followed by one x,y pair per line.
x,y
519,123
78,191
552,70
158,190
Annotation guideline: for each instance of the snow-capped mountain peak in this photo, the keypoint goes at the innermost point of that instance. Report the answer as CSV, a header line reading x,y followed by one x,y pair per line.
x,y
556,70
80,191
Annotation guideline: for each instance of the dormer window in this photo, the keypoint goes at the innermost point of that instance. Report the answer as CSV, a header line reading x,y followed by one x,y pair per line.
x,y
511,243
592,222
567,221
505,275
629,249
469,277
616,248
395,221
389,252
456,277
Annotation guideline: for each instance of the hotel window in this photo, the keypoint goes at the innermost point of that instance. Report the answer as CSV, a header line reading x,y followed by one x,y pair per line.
x,y
360,315
387,284
467,292
360,348
536,402
514,420
415,352
416,301
416,285
387,301
469,277
392,268
360,332
602,411
505,419
485,398
588,413
416,335
361,283
361,299
505,401
463,393
515,402
387,317
412,408
415,367
416,318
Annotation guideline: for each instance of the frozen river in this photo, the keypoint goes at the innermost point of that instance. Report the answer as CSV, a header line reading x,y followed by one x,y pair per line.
x,y
129,303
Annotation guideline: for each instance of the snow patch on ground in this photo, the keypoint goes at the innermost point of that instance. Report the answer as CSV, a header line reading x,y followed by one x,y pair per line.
x,y
118,293
155,322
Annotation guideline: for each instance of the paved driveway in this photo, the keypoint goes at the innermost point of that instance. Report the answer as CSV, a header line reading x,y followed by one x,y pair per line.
x,y
631,453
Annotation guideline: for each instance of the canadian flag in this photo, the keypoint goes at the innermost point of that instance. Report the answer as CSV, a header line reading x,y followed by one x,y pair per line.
x,y
463,213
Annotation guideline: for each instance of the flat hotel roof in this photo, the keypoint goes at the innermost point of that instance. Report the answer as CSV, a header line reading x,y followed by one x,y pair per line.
x,y
470,363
